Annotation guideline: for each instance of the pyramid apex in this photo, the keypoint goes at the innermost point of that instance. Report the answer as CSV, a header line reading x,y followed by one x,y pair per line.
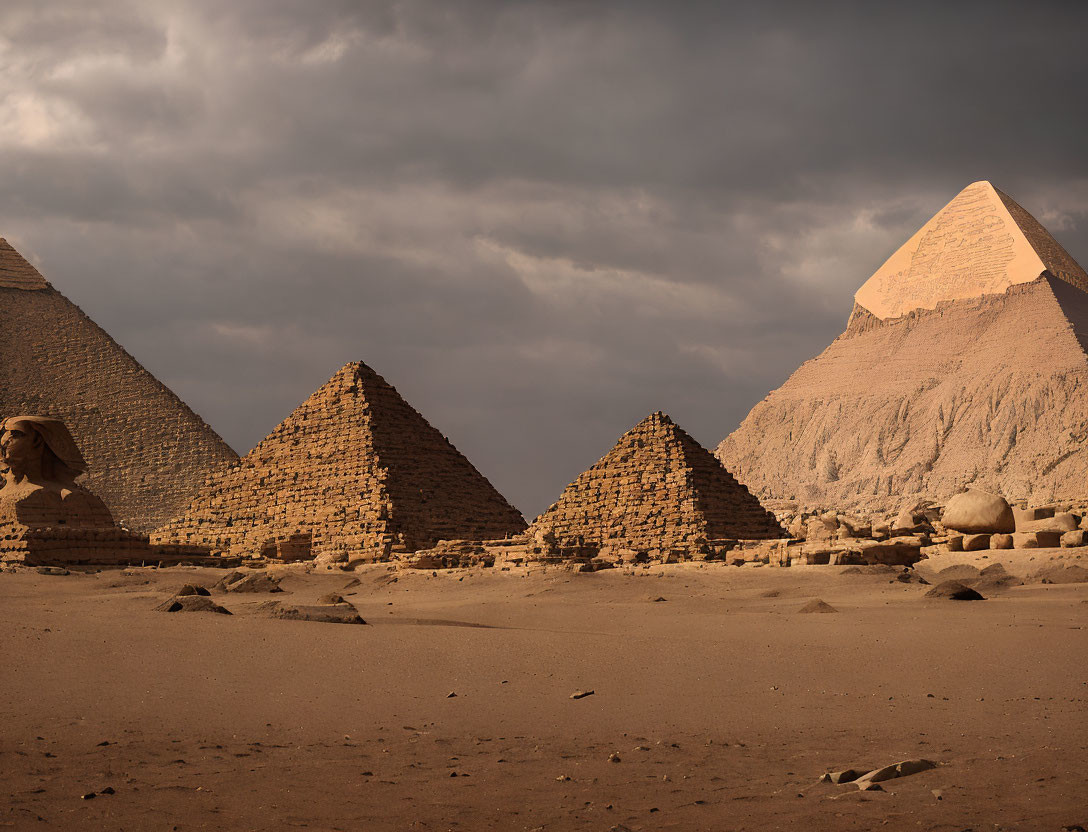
x,y
16,272
981,243
658,417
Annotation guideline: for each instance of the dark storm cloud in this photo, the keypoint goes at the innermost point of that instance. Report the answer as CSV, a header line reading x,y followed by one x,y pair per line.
x,y
541,221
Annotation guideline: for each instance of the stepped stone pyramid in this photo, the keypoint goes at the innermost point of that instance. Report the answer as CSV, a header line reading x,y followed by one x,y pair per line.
x,y
148,452
963,362
356,471
656,489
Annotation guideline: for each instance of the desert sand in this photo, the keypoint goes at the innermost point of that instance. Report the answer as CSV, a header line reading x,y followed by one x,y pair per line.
x,y
715,704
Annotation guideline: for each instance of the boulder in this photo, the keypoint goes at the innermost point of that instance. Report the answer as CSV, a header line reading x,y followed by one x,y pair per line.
x,y
1023,516
910,518
976,542
192,589
954,591
955,543
979,512
903,769
822,527
964,572
191,603
1074,539
1001,541
1037,540
328,614
260,582
1060,522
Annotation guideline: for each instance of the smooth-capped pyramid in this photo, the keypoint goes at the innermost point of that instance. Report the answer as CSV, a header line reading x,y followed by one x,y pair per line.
x,y
354,469
147,452
964,362
980,243
656,489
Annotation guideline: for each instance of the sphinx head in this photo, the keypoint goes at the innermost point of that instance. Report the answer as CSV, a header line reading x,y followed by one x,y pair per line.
x,y
39,448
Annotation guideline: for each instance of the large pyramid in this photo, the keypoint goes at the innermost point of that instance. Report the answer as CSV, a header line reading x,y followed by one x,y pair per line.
x,y
656,489
147,452
964,361
355,469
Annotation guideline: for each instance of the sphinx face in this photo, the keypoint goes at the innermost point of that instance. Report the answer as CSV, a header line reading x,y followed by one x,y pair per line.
x,y
20,445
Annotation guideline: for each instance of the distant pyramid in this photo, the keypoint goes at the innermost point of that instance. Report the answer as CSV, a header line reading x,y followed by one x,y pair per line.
x,y
964,361
148,453
355,469
657,488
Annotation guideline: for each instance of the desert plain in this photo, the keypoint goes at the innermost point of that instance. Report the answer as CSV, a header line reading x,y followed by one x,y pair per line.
x,y
715,703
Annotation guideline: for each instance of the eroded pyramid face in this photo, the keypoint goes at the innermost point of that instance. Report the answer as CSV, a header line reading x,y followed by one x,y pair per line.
x,y
964,363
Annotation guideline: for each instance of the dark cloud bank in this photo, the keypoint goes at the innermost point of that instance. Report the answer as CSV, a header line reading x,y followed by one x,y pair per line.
x,y
540,221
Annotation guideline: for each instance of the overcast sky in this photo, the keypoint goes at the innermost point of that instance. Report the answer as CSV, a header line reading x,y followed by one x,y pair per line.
x,y
540,221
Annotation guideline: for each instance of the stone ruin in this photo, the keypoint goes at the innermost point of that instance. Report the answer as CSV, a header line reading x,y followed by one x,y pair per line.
x,y
964,362
657,495
47,518
148,452
354,474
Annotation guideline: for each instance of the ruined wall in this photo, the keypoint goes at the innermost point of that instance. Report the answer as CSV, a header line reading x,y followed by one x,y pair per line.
x,y
355,467
657,488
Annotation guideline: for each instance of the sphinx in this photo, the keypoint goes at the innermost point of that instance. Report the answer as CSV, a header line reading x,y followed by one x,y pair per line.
x,y
46,517
39,488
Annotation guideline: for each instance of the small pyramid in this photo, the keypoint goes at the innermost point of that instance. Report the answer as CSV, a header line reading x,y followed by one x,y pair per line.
x,y
964,362
817,605
356,469
147,452
980,243
657,488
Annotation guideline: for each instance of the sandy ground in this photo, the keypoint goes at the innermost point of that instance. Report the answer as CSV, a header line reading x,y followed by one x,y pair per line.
x,y
721,702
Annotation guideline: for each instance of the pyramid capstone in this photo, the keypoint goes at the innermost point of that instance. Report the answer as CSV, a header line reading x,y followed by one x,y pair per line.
x,y
980,243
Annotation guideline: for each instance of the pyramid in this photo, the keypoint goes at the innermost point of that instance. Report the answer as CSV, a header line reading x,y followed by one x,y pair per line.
x,y
354,469
656,489
148,453
963,362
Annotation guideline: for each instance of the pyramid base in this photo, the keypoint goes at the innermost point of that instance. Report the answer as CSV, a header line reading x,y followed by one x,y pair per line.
x,y
51,546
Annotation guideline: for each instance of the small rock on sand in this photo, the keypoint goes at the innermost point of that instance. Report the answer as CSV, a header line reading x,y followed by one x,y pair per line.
x,y
581,694
191,603
817,605
847,776
959,572
329,614
241,582
954,591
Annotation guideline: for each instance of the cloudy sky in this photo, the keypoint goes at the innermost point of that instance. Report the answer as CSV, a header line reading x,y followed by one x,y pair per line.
x,y
541,221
